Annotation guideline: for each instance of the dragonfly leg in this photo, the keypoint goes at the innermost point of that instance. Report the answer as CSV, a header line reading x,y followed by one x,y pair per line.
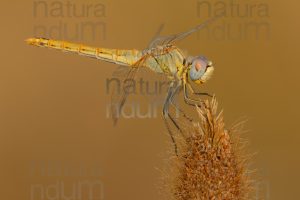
x,y
173,90
190,101
199,103
182,112
199,93
203,94
177,108
171,102
171,135
166,115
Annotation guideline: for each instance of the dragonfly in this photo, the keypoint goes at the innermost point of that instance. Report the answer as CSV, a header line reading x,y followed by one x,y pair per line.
x,y
161,56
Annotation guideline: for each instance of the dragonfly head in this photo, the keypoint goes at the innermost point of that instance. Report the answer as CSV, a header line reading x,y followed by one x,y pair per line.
x,y
201,69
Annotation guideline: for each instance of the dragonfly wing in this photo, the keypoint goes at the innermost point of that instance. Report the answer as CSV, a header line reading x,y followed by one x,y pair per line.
x,y
118,99
156,36
165,40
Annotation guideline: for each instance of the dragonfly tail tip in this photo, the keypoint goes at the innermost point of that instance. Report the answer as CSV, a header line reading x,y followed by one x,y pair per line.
x,y
30,41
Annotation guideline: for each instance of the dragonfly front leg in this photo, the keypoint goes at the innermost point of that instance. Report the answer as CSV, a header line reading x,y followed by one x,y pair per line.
x,y
190,101
202,94
198,93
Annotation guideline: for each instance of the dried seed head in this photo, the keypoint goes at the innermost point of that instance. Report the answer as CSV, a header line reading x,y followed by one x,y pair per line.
x,y
209,165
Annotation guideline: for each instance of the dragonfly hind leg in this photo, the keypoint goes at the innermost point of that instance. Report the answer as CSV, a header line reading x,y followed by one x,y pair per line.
x,y
166,116
173,90
177,108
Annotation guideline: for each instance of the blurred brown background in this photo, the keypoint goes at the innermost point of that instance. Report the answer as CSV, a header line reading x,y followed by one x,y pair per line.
x,y
54,130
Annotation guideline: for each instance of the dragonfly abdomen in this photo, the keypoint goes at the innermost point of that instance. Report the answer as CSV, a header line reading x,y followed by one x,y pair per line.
x,y
122,57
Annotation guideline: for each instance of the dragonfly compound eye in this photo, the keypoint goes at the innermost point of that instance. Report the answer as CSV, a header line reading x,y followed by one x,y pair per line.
x,y
198,68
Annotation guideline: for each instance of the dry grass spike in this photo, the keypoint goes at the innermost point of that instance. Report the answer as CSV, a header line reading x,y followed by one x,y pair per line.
x,y
210,165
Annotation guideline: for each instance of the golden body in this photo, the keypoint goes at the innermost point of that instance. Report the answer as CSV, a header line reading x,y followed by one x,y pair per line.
x,y
168,60
161,57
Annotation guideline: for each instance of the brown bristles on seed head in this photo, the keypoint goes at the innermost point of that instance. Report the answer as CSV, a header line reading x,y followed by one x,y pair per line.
x,y
210,165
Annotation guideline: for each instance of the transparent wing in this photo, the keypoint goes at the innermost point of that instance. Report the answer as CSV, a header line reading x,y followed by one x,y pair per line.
x,y
165,40
156,36
118,97
121,71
